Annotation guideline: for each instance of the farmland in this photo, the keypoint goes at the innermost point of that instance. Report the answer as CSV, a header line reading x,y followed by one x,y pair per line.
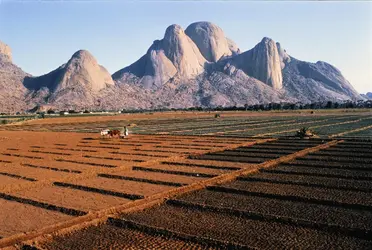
x,y
180,180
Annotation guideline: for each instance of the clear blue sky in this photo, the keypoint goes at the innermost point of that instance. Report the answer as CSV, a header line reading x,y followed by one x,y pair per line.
x,y
44,34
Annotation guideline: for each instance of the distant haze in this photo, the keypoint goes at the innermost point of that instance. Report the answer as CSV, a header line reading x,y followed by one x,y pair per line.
x,y
44,34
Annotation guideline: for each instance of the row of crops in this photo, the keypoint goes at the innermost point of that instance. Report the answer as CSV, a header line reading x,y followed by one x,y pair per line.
x,y
275,126
317,201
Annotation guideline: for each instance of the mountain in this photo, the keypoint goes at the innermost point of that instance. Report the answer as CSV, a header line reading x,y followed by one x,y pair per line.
x,y
198,66
262,62
367,95
211,41
174,56
76,83
311,82
244,75
12,91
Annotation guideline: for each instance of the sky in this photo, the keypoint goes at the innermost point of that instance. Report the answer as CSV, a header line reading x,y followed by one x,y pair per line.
x,y
44,34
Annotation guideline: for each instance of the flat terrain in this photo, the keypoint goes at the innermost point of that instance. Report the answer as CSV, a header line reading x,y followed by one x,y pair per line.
x,y
230,124
180,181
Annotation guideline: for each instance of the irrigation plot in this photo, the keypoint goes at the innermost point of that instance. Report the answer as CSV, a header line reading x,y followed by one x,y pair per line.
x,y
232,182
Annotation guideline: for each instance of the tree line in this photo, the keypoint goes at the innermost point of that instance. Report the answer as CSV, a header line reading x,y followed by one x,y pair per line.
x,y
271,106
256,107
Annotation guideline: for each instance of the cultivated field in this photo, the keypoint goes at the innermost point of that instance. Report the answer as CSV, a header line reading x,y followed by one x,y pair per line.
x,y
188,181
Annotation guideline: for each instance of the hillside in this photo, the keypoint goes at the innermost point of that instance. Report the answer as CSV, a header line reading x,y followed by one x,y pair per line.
x,y
198,66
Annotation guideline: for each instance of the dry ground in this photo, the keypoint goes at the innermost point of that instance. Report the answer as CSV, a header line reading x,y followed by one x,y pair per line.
x,y
56,187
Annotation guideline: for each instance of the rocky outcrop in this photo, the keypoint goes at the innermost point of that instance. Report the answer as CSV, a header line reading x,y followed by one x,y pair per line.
x,y
367,95
12,91
78,81
262,62
174,56
211,41
182,52
233,47
151,70
196,67
5,52
310,82
284,57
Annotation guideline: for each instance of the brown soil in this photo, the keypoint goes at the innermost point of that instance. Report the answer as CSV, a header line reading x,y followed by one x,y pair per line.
x,y
71,198
104,185
251,233
111,237
17,217
126,186
160,176
188,169
49,173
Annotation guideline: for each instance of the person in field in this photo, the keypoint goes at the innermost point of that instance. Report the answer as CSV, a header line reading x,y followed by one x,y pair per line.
x,y
124,132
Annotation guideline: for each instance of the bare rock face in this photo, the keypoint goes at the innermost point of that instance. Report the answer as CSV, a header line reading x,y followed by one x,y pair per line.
x,y
284,57
233,47
5,52
76,82
311,82
262,62
182,52
196,67
367,95
83,69
175,56
12,90
152,70
211,41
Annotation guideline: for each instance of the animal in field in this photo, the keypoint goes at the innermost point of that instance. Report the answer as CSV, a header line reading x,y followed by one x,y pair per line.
x,y
105,132
113,133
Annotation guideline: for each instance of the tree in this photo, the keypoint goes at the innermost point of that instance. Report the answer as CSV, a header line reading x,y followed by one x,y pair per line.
x,y
329,105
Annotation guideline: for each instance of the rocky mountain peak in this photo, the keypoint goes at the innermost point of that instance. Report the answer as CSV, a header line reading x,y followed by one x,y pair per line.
x,y
182,52
83,69
5,52
75,83
83,55
171,74
173,30
262,62
211,41
268,68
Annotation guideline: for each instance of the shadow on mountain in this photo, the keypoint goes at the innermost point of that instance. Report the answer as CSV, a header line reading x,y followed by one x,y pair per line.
x,y
49,81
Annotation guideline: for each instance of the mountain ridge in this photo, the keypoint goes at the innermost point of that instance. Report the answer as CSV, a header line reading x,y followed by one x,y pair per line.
x,y
198,66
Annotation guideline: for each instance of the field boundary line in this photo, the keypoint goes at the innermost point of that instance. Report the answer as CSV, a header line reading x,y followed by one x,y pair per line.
x,y
93,171
101,216
231,125
312,127
350,131
242,130
279,126
183,156
154,230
